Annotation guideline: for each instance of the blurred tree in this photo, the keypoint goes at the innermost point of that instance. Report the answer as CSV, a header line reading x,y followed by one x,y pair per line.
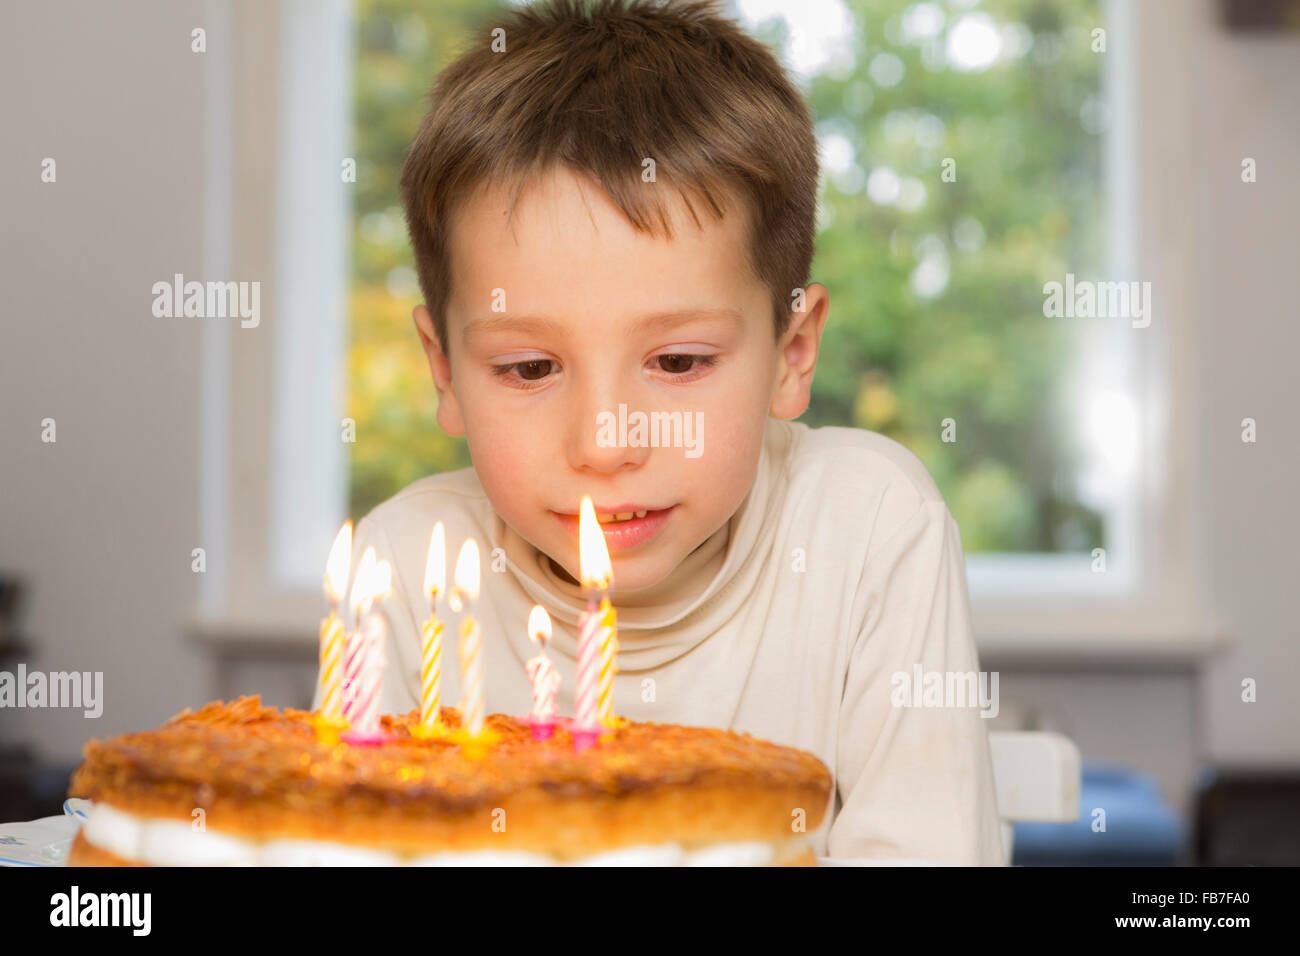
x,y
401,46
936,279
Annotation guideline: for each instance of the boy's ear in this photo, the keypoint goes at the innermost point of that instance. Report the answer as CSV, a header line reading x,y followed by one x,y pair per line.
x,y
796,357
449,417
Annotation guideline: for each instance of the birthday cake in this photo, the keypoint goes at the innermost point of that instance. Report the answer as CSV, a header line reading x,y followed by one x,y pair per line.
x,y
241,783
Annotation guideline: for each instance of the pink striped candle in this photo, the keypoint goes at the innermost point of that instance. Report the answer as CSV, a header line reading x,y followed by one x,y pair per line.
x,y
374,582
584,710
545,679
355,655
597,575
367,700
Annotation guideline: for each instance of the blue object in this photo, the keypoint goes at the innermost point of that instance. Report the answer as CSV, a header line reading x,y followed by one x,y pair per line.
x,y
1141,829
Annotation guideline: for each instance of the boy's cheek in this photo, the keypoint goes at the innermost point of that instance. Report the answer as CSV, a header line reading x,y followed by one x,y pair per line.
x,y
502,452
726,434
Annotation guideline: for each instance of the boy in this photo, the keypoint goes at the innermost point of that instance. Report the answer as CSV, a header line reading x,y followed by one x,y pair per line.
x,y
612,214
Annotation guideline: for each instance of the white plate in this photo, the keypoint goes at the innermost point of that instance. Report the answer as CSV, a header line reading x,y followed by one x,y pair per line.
x,y
43,842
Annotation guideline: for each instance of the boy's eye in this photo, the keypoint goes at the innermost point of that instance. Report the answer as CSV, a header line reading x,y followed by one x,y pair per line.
x,y
533,373
532,370
679,364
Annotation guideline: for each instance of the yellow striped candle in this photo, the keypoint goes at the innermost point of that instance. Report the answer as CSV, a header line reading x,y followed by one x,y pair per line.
x,y
608,636
435,584
331,667
330,674
463,595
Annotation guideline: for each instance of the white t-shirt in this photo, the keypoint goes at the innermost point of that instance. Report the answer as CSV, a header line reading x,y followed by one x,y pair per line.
x,y
841,569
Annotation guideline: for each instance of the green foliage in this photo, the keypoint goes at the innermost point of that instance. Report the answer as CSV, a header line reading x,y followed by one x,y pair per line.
x,y
897,357
401,46
1024,204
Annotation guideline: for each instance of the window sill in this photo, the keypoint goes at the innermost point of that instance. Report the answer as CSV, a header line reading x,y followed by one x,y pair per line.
x,y
1084,648
225,638
1020,644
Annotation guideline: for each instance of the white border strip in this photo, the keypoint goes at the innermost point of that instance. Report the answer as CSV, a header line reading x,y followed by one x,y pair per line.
x,y
308,484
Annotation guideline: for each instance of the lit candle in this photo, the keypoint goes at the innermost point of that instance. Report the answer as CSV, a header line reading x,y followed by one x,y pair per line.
x,y
596,641
608,637
367,701
435,585
471,640
354,655
546,680
330,675
371,633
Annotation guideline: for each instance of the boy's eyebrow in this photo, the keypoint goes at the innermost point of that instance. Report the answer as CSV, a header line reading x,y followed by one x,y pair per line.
x,y
541,323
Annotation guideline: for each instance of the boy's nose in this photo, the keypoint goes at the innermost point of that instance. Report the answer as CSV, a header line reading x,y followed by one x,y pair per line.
x,y
599,438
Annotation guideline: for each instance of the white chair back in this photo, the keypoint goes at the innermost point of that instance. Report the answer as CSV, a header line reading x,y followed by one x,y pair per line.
x,y
1037,775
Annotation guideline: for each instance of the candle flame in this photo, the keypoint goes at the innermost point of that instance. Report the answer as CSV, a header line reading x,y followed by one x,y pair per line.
x,y
374,580
539,625
435,568
466,588
593,556
361,582
340,560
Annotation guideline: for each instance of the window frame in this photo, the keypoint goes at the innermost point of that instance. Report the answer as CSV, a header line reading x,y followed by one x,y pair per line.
x,y
1153,607
266,539
274,466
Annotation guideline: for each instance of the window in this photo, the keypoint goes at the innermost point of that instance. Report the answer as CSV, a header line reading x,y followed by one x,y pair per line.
x,y
400,46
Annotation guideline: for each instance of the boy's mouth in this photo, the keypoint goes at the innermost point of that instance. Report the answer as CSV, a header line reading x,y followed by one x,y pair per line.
x,y
625,526
621,516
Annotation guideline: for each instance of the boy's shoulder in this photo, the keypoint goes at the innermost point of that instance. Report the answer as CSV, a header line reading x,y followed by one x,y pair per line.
x,y
433,497
861,460
862,480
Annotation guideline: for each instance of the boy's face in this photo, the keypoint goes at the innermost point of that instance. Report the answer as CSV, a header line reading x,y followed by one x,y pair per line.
x,y
572,313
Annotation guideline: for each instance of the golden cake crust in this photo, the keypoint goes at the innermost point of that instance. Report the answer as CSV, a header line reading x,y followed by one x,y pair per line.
x,y
260,773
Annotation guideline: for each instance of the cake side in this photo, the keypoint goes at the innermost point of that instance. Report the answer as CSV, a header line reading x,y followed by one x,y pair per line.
x,y
258,773
84,853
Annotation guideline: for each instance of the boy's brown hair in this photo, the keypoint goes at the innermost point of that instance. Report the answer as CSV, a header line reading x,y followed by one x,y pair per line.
x,y
600,90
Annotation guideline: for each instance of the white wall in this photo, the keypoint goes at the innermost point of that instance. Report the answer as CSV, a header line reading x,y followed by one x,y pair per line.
x,y
101,522
1247,281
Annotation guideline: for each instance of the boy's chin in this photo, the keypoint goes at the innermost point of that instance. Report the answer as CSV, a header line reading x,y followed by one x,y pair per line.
x,y
637,572
632,572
